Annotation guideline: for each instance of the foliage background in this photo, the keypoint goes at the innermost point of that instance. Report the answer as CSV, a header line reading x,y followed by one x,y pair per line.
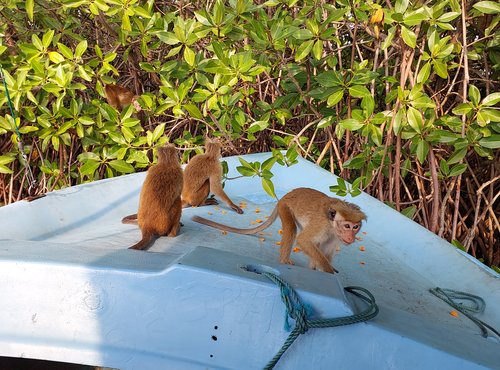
x,y
400,98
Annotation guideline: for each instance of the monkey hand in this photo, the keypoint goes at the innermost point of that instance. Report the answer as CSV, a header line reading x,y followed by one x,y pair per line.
x,y
237,209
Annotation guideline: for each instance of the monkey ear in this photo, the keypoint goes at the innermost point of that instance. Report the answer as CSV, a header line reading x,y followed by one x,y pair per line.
x,y
331,215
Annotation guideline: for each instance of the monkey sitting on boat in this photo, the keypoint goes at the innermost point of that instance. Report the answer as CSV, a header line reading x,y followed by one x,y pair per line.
x,y
160,205
323,221
202,176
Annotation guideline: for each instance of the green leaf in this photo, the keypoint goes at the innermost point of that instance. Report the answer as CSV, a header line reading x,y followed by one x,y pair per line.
x,y
47,38
65,50
318,49
440,68
368,105
463,108
458,245
5,169
193,111
126,26
457,169
359,91
390,36
81,48
491,99
268,163
409,211
401,6
89,167
257,126
55,57
488,7
491,142
335,98
330,79
303,50
30,5
457,155
422,150
474,95
424,73
303,34
245,171
351,124
415,119
326,121
121,166
415,18
409,37
142,12
158,132
268,186
4,159
189,56
448,17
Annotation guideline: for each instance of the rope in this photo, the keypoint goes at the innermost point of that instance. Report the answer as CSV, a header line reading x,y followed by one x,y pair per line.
x,y
299,312
477,305
20,145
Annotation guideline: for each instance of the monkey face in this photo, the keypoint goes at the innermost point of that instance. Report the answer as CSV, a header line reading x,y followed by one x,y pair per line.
x,y
347,230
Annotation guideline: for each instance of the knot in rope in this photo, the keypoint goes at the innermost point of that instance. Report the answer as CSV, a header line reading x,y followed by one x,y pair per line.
x,y
300,313
294,308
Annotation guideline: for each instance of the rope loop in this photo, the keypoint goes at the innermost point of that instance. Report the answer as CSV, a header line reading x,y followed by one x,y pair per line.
x,y
300,312
458,300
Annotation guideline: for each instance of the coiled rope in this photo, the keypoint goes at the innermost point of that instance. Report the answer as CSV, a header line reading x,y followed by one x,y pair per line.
x,y
299,312
477,305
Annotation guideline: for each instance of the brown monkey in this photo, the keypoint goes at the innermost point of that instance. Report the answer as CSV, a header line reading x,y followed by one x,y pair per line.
x,y
119,96
160,205
323,222
202,175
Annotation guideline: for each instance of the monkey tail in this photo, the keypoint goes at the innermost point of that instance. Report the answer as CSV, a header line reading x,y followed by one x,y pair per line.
x,y
223,227
147,239
130,219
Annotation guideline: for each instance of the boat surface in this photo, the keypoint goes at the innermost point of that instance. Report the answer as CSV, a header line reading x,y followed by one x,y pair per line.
x,y
71,291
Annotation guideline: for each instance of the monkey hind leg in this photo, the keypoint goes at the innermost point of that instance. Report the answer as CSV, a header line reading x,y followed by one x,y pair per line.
x,y
147,239
289,231
197,197
175,224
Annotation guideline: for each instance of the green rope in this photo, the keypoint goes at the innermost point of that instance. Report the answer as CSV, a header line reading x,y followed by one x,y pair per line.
x,y
10,103
20,144
477,305
299,312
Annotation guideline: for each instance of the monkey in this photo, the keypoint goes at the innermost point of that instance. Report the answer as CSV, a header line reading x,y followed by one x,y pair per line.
x,y
160,205
202,175
119,96
323,223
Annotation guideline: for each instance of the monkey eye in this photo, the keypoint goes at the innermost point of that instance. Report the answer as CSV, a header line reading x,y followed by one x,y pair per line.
x,y
355,227
347,226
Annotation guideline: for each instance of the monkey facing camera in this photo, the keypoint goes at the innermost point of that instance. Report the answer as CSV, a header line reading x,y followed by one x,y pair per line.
x,y
324,223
